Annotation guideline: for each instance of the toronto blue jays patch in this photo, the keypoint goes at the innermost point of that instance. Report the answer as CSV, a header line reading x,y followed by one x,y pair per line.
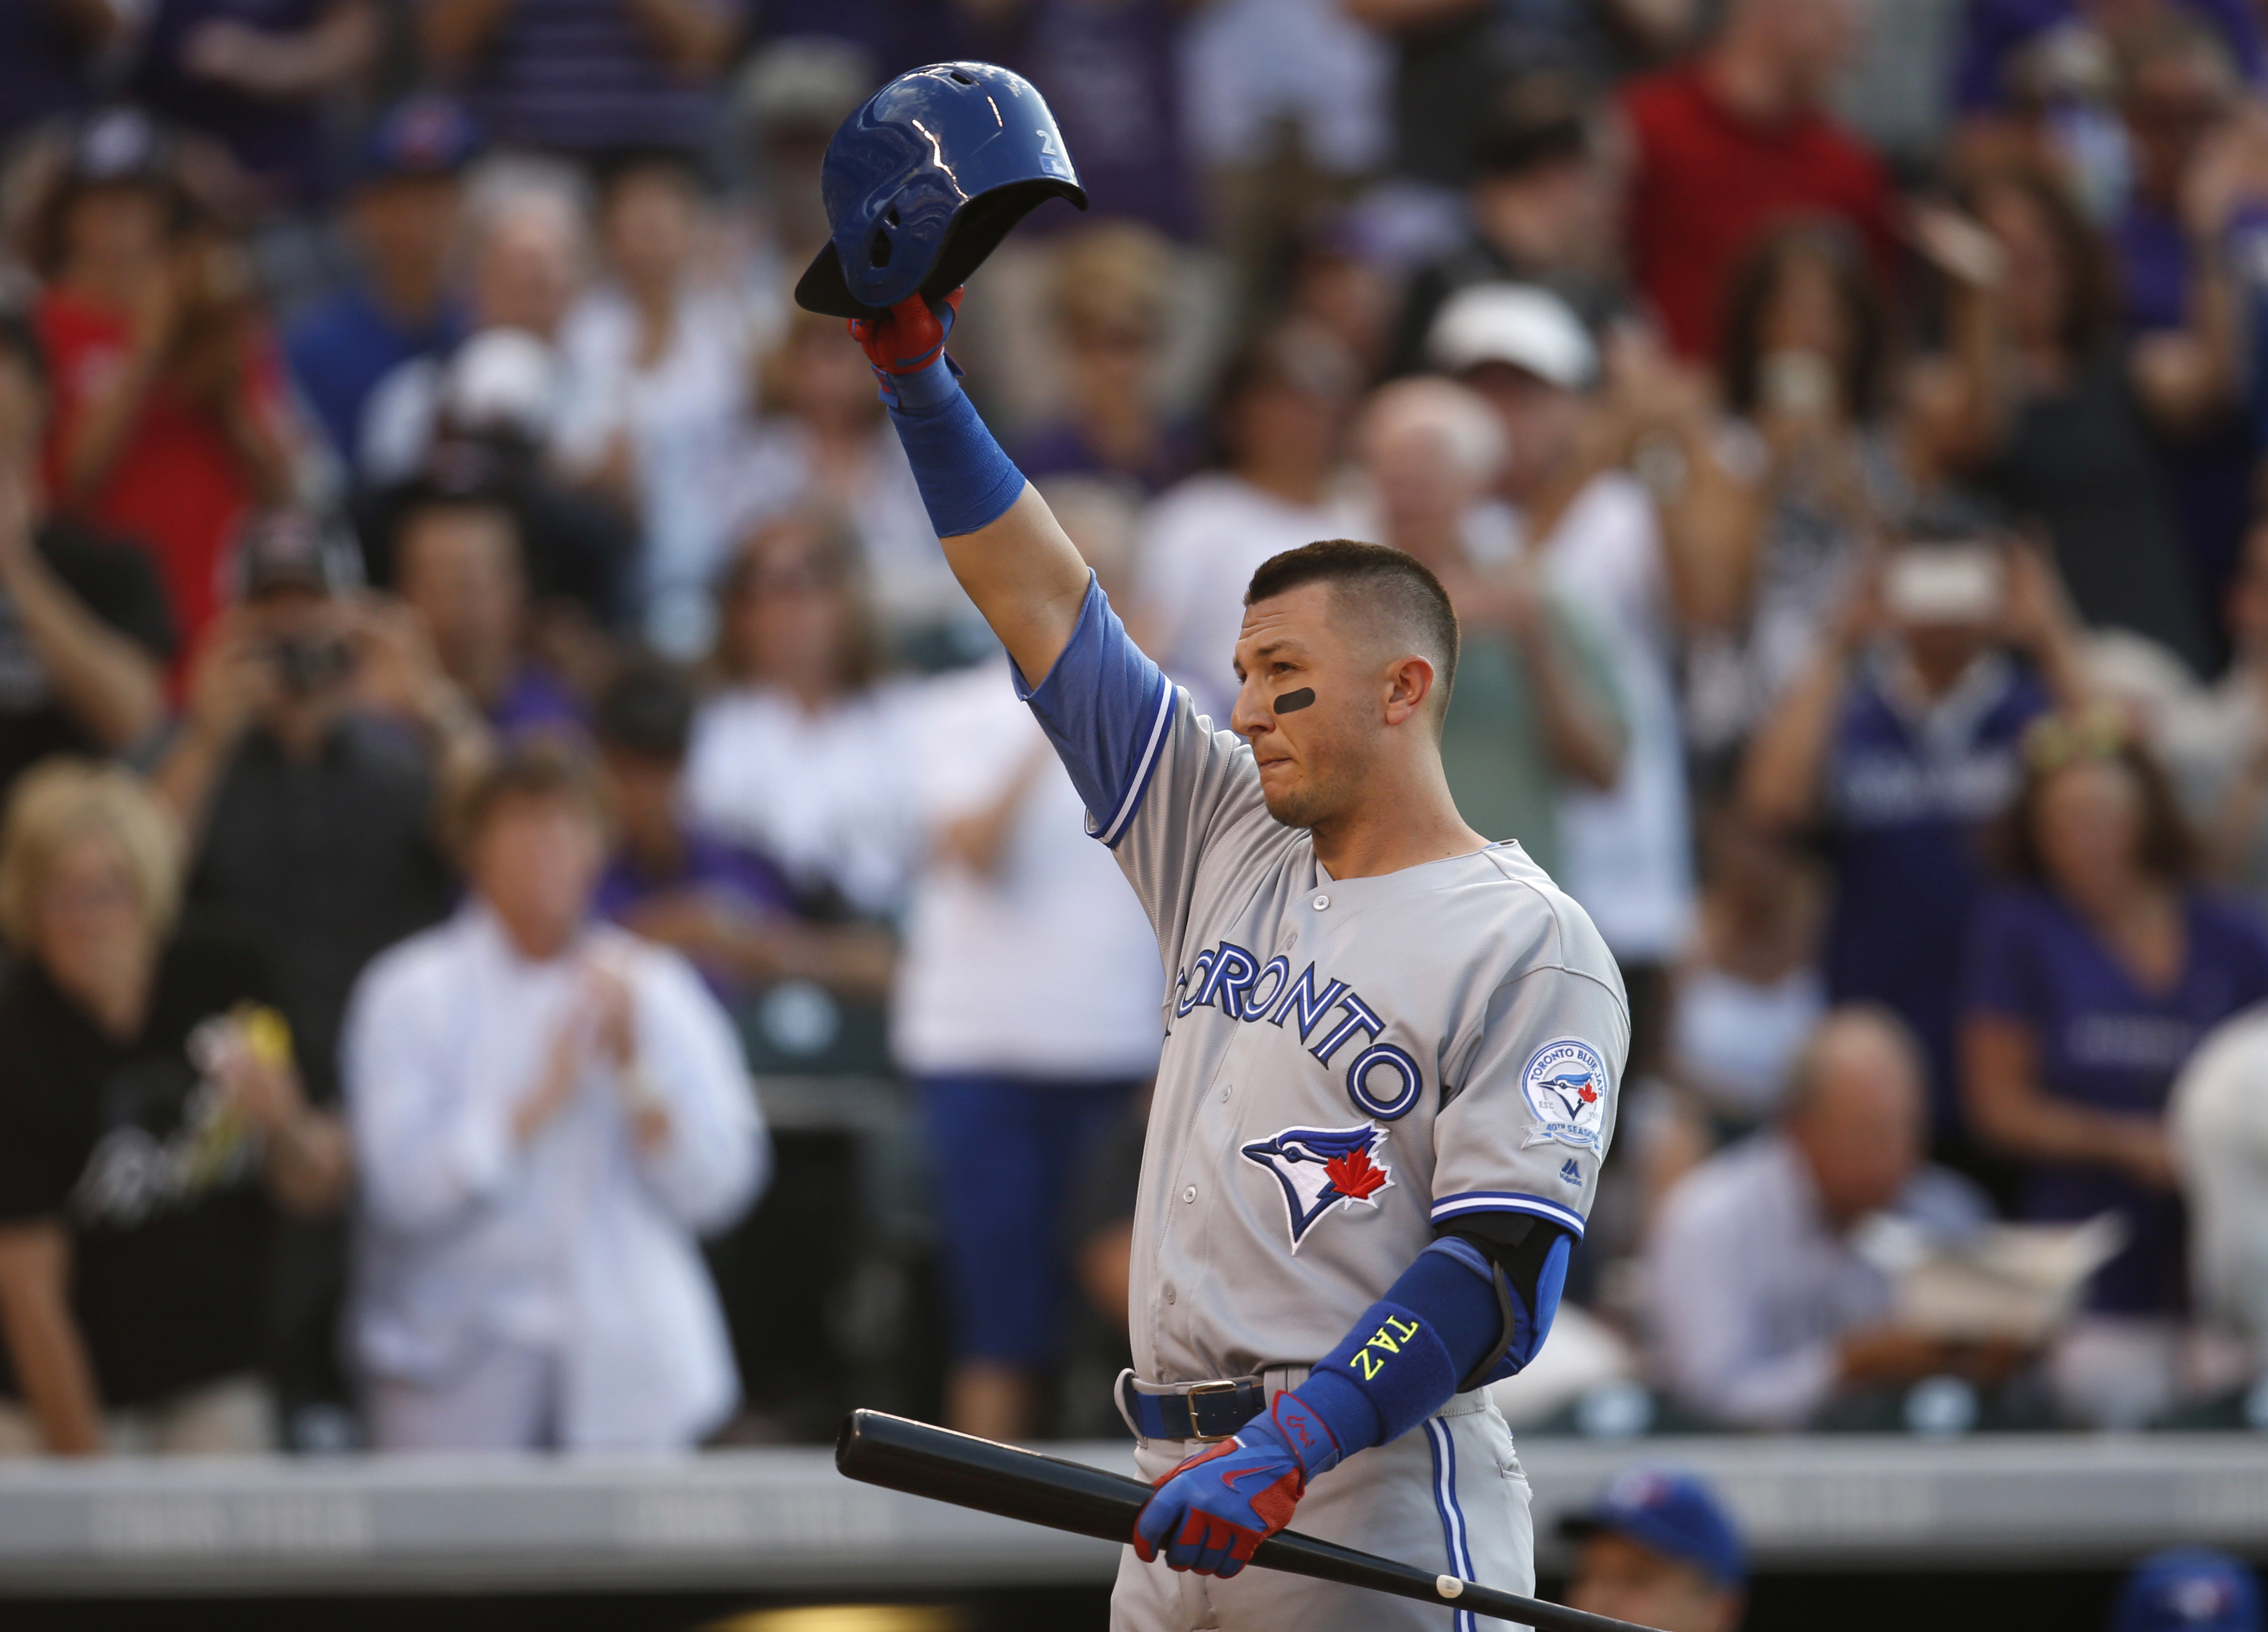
x,y
1565,1086
1322,1168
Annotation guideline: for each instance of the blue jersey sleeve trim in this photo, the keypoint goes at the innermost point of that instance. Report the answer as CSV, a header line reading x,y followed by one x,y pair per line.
x,y
1149,762
1108,709
1508,1201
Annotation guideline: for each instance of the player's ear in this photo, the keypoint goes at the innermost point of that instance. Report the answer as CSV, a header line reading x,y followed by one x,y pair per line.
x,y
1408,682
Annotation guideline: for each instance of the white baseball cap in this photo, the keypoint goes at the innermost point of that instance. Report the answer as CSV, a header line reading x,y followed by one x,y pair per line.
x,y
1516,323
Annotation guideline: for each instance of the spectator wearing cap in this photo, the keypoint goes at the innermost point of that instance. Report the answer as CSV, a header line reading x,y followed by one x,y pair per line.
x,y
1659,1550
255,79
2091,979
1279,420
84,633
548,1113
1762,1312
1536,709
319,732
403,214
2188,1589
1899,745
1026,1010
726,907
1540,209
1731,141
459,563
1593,535
529,261
656,375
170,419
585,75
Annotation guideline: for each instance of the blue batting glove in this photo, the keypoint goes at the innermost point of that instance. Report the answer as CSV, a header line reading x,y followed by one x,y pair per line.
x,y
1213,1511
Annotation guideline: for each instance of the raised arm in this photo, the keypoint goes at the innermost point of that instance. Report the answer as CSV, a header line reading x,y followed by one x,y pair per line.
x,y
1002,542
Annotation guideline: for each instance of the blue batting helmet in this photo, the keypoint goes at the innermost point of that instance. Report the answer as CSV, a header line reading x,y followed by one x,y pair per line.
x,y
924,180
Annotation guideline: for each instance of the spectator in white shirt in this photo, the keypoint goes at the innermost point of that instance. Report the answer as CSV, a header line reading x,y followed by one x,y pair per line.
x,y
1281,417
547,1112
656,365
1625,848
1027,1007
1762,1310
2218,1119
806,755
823,443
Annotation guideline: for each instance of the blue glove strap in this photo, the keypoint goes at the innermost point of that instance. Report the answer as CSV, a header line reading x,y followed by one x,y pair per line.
x,y
966,481
1305,1436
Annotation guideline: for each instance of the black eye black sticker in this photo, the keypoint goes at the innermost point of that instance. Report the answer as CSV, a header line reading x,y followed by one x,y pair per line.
x,y
1292,702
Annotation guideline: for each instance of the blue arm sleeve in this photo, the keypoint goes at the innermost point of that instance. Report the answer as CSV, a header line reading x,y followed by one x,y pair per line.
x,y
966,481
1412,1348
1105,706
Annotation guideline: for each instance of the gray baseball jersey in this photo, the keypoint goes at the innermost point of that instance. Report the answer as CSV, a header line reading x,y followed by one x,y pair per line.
x,y
1349,1063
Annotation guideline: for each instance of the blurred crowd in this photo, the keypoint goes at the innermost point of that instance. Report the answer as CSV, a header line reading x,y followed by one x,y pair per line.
x,y
482,709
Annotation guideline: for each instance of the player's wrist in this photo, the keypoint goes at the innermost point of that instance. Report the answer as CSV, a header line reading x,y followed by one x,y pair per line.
x,y
922,390
1320,1423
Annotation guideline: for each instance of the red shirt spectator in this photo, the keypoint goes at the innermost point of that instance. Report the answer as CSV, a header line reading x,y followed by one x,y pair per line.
x,y
178,481
1733,143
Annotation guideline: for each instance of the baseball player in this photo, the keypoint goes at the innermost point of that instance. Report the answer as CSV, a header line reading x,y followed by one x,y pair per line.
x,y
1390,1067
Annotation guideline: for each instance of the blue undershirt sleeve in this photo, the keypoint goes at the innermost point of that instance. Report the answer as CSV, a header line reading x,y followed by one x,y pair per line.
x,y
1105,706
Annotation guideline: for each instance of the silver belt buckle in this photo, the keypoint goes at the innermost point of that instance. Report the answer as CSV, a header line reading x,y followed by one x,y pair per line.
x,y
1226,1387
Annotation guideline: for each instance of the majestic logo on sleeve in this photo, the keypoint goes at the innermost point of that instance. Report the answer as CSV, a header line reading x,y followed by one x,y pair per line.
x,y
1565,1086
1322,1168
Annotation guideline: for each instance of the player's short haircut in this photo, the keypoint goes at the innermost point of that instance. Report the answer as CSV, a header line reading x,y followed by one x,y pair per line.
x,y
1394,592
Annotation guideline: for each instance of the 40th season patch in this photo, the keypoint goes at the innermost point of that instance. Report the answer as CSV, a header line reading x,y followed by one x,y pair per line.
x,y
1565,1086
1322,1168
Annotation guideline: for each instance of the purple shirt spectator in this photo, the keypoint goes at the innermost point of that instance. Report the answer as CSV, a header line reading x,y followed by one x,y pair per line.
x,y
2208,477
1062,448
1112,75
280,141
897,35
581,75
536,701
735,879
2107,1043
1907,794
1995,30
43,66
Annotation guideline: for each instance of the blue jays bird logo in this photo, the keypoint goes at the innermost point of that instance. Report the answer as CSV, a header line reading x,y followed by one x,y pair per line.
x,y
1322,1168
1566,1085
1573,1089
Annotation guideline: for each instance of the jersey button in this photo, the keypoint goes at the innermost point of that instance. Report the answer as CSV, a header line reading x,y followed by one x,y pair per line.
x,y
1169,1295
1321,902
1191,1194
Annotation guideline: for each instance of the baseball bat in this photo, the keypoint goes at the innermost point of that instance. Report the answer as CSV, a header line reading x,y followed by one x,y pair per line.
x,y
968,1472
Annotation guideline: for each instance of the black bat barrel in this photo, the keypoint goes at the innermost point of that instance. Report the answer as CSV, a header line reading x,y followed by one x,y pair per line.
x,y
923,1461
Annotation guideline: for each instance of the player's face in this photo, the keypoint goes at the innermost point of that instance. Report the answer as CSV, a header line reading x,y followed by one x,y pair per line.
x,y
1311,750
